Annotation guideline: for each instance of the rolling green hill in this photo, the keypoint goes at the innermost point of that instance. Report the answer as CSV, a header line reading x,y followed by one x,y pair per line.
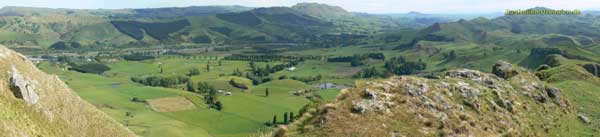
x,y
523,39
305,22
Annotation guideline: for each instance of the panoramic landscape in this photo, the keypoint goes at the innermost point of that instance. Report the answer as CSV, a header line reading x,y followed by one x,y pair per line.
x,y
293,68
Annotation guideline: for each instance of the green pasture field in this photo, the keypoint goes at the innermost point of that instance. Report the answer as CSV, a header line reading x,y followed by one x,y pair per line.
x,y
244,112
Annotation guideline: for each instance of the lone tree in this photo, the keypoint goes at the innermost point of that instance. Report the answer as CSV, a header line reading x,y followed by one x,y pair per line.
x,y
218,105
191,87
208,67
291,116
274,119
161,67
452,55
220,63
267,92
193,72
285,118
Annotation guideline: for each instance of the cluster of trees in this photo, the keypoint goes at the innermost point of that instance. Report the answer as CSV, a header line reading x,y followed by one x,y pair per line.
x,y
193,72
396,65
400,66
286,119
136,99
260,75
356,59
367,73
161,81
208,91
268,69
96,68
256,80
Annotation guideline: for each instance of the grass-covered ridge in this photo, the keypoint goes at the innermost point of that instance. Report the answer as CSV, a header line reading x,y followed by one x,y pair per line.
x,y
45,106
459,102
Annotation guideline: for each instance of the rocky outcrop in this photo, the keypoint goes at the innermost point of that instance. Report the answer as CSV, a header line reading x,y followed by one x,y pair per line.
x,y
552,92
583,118
23,88
504,69
460,102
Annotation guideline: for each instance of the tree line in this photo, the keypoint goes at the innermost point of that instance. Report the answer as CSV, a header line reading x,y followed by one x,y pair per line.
x,y
357,59
269,57
161,81
394,66
288,117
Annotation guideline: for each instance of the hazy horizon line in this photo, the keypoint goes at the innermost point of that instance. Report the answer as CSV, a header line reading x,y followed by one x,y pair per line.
x,y
233,5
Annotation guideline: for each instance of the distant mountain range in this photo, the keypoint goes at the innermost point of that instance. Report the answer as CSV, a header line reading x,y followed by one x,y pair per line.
x,y
310,23
304,22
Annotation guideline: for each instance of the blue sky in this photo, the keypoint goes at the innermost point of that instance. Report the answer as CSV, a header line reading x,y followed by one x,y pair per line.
x,y
370,6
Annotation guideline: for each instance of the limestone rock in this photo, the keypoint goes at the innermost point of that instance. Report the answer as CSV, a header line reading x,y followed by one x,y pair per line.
x,y
22,88
583,118
552,92
504,70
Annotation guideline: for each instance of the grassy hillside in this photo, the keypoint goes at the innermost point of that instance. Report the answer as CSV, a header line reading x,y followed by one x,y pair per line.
x,y
581,87
44,106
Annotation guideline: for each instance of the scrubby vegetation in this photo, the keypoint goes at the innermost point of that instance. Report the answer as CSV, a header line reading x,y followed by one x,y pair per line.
x,y
61,45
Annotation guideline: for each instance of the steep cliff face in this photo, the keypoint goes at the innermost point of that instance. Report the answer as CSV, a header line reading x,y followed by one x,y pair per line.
x,y
459,103
33,104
